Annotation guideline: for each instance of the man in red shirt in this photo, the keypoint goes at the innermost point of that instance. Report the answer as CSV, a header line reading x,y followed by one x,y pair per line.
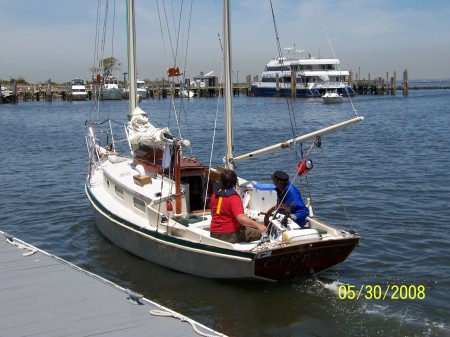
x,y
229,223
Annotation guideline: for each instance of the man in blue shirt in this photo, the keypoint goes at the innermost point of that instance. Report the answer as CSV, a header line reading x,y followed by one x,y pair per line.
x,y
290,196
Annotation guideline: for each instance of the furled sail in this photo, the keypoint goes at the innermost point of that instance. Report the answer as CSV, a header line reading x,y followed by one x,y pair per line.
x,y
140,131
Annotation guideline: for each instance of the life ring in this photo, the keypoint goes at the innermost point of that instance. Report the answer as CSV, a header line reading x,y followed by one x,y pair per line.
x,y
286,210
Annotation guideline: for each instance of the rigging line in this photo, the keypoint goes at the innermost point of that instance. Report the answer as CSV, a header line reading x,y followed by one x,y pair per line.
x,y
276,33
336,186
96,35
105,22
175,112
294,128
162,34
332,51
178,33
211,153
187,40
113,24
168,30
213,13
165,56
183,102
94,111
216,117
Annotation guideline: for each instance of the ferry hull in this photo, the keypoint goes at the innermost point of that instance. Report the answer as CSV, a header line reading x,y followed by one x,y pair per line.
x,y
258,91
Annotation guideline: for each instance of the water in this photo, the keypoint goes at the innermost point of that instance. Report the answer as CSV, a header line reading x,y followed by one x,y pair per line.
x,y
391,170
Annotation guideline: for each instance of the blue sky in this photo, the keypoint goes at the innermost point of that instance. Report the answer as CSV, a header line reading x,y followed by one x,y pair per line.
x,y
56,38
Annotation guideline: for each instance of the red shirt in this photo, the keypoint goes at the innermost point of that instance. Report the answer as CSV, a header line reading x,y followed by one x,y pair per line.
x,y
224,218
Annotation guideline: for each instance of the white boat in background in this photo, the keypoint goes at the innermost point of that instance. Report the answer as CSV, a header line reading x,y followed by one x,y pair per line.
x,y
6,95
155,203
77,90
187,93
331,97
313,76
109,89
142,89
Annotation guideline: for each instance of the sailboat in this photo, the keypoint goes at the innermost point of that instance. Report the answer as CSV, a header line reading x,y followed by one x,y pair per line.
x,y
152,203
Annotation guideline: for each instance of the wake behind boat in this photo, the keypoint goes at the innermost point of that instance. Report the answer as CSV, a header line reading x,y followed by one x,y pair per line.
x,y
155,203
313,76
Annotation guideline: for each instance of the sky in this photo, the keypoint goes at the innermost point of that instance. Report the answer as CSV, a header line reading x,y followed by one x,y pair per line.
x,y
56,39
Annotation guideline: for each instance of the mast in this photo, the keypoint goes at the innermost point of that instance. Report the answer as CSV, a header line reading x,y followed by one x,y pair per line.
x,y
131,57
229,163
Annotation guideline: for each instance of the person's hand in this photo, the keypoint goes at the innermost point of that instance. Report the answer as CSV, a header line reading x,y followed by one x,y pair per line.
x,y
261,228
293,217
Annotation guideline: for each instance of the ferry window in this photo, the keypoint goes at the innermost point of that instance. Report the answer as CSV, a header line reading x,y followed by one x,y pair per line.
x,y
107,183
119,192
139,204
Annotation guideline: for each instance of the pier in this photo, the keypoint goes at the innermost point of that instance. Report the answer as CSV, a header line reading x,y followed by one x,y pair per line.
x,y
43,295
380,86
210,87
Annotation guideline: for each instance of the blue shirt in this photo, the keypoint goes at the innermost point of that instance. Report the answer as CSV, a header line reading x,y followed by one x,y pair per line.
x,y
292,195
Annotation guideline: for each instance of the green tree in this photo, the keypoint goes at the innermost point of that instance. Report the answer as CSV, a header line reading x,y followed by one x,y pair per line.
x,y
107,66
21,81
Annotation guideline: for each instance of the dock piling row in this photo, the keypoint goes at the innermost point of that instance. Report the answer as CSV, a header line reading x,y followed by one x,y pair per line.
x,y
211,88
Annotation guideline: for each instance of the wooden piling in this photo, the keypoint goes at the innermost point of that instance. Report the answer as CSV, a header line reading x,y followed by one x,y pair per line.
x,y
277,89
394,84
405,83
293,84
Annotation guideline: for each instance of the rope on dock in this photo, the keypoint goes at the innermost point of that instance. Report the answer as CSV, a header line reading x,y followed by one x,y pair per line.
x,y
181,318
31,250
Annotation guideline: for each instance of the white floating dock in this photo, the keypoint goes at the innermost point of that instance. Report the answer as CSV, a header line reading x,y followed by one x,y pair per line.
x,y
43,295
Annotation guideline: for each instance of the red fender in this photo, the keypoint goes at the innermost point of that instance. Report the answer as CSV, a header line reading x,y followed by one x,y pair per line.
x,y
304,166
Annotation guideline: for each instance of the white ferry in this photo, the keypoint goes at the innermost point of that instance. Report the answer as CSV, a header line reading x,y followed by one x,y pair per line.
x,y
314,76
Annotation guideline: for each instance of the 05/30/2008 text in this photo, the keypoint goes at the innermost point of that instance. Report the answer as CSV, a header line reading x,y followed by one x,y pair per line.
x,y
382,292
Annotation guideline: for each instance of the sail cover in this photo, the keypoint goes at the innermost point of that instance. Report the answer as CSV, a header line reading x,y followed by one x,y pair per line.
x,y
140,131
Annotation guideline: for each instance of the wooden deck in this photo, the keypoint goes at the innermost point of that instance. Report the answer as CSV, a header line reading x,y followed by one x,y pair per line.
x,y
43,295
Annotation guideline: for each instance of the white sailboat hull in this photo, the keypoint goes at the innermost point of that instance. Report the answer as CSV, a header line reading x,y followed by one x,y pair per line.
x,y
173,256
189,248
170,252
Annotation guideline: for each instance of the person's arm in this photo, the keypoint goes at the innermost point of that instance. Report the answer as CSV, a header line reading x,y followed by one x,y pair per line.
x,y
299,209
301,212
248,222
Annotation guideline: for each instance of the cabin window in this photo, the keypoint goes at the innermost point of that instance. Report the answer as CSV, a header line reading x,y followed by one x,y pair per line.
x,y
119,192
139,204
